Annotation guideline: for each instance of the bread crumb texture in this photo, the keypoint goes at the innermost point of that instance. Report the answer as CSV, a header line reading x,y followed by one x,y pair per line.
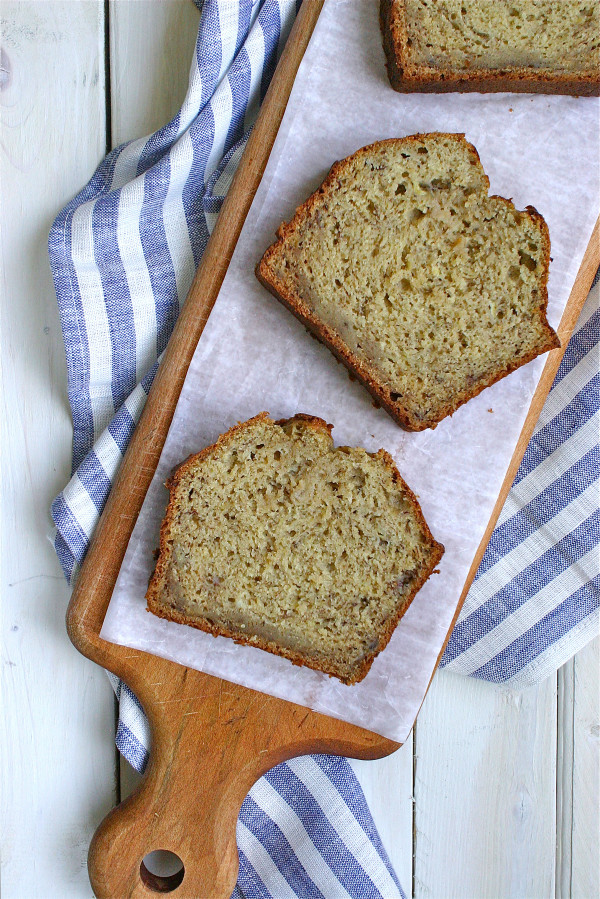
x,y
561,35
524,45
280,540
428,289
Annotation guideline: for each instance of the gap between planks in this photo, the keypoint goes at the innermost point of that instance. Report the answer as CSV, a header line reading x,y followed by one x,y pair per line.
x,y
565,709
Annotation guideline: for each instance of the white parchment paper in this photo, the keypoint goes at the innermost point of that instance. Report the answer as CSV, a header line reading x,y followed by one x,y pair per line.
x,y
255,356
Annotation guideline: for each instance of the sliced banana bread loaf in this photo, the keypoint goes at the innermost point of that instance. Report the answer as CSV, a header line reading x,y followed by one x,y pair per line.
x,y
424,286
274,537
545,46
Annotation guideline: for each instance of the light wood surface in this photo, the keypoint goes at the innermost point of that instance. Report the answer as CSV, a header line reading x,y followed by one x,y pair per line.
x,y
59,760
521,812
579,773
57,709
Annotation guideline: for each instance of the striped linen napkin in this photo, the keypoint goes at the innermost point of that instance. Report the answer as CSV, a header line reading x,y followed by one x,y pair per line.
x,y
123,255
536,597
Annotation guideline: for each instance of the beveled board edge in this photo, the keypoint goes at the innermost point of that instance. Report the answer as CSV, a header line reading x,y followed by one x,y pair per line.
x,y
96,580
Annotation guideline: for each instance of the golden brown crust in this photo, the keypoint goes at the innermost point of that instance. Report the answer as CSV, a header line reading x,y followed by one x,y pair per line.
x,y
392,22
359,367
407,77
158,577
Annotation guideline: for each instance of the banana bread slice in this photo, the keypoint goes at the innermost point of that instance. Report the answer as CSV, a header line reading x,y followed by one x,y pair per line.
x,y
428,289
274,537
531,46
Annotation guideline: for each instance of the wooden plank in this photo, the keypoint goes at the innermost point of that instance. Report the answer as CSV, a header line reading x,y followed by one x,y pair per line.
x,y
151,49
58,709
388,787
585,846
485,768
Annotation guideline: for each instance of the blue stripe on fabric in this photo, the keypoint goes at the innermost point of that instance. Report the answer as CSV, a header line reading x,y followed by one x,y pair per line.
x,y
65,556
560,428
343,778
130,747
132,149
69,527
109,165
519,589
209,35
202,134
146,382
69,300
200,239
158,145
75,339
272,838
542,508
117,300
269,20
83,427
213,204
249,885
153,237
94,479
580,345
325,838
239,82
121,428
212,201
558,622
244,21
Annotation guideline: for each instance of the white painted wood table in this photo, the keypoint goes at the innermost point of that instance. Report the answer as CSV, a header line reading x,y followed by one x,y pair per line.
x,y
496,794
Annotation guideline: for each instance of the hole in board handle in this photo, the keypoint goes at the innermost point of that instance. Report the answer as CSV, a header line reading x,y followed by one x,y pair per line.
x,y
162,871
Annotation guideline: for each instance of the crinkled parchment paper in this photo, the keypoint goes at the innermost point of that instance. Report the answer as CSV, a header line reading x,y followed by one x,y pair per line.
x,y
254,356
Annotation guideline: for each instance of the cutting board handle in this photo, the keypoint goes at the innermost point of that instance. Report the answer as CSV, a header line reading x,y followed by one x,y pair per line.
x,y
211,741
199,771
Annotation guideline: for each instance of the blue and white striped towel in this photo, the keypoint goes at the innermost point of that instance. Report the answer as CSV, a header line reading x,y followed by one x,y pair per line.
x,y
123,254
536,597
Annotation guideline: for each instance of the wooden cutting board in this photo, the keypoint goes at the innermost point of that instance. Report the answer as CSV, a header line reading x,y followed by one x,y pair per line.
x,y
211,739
